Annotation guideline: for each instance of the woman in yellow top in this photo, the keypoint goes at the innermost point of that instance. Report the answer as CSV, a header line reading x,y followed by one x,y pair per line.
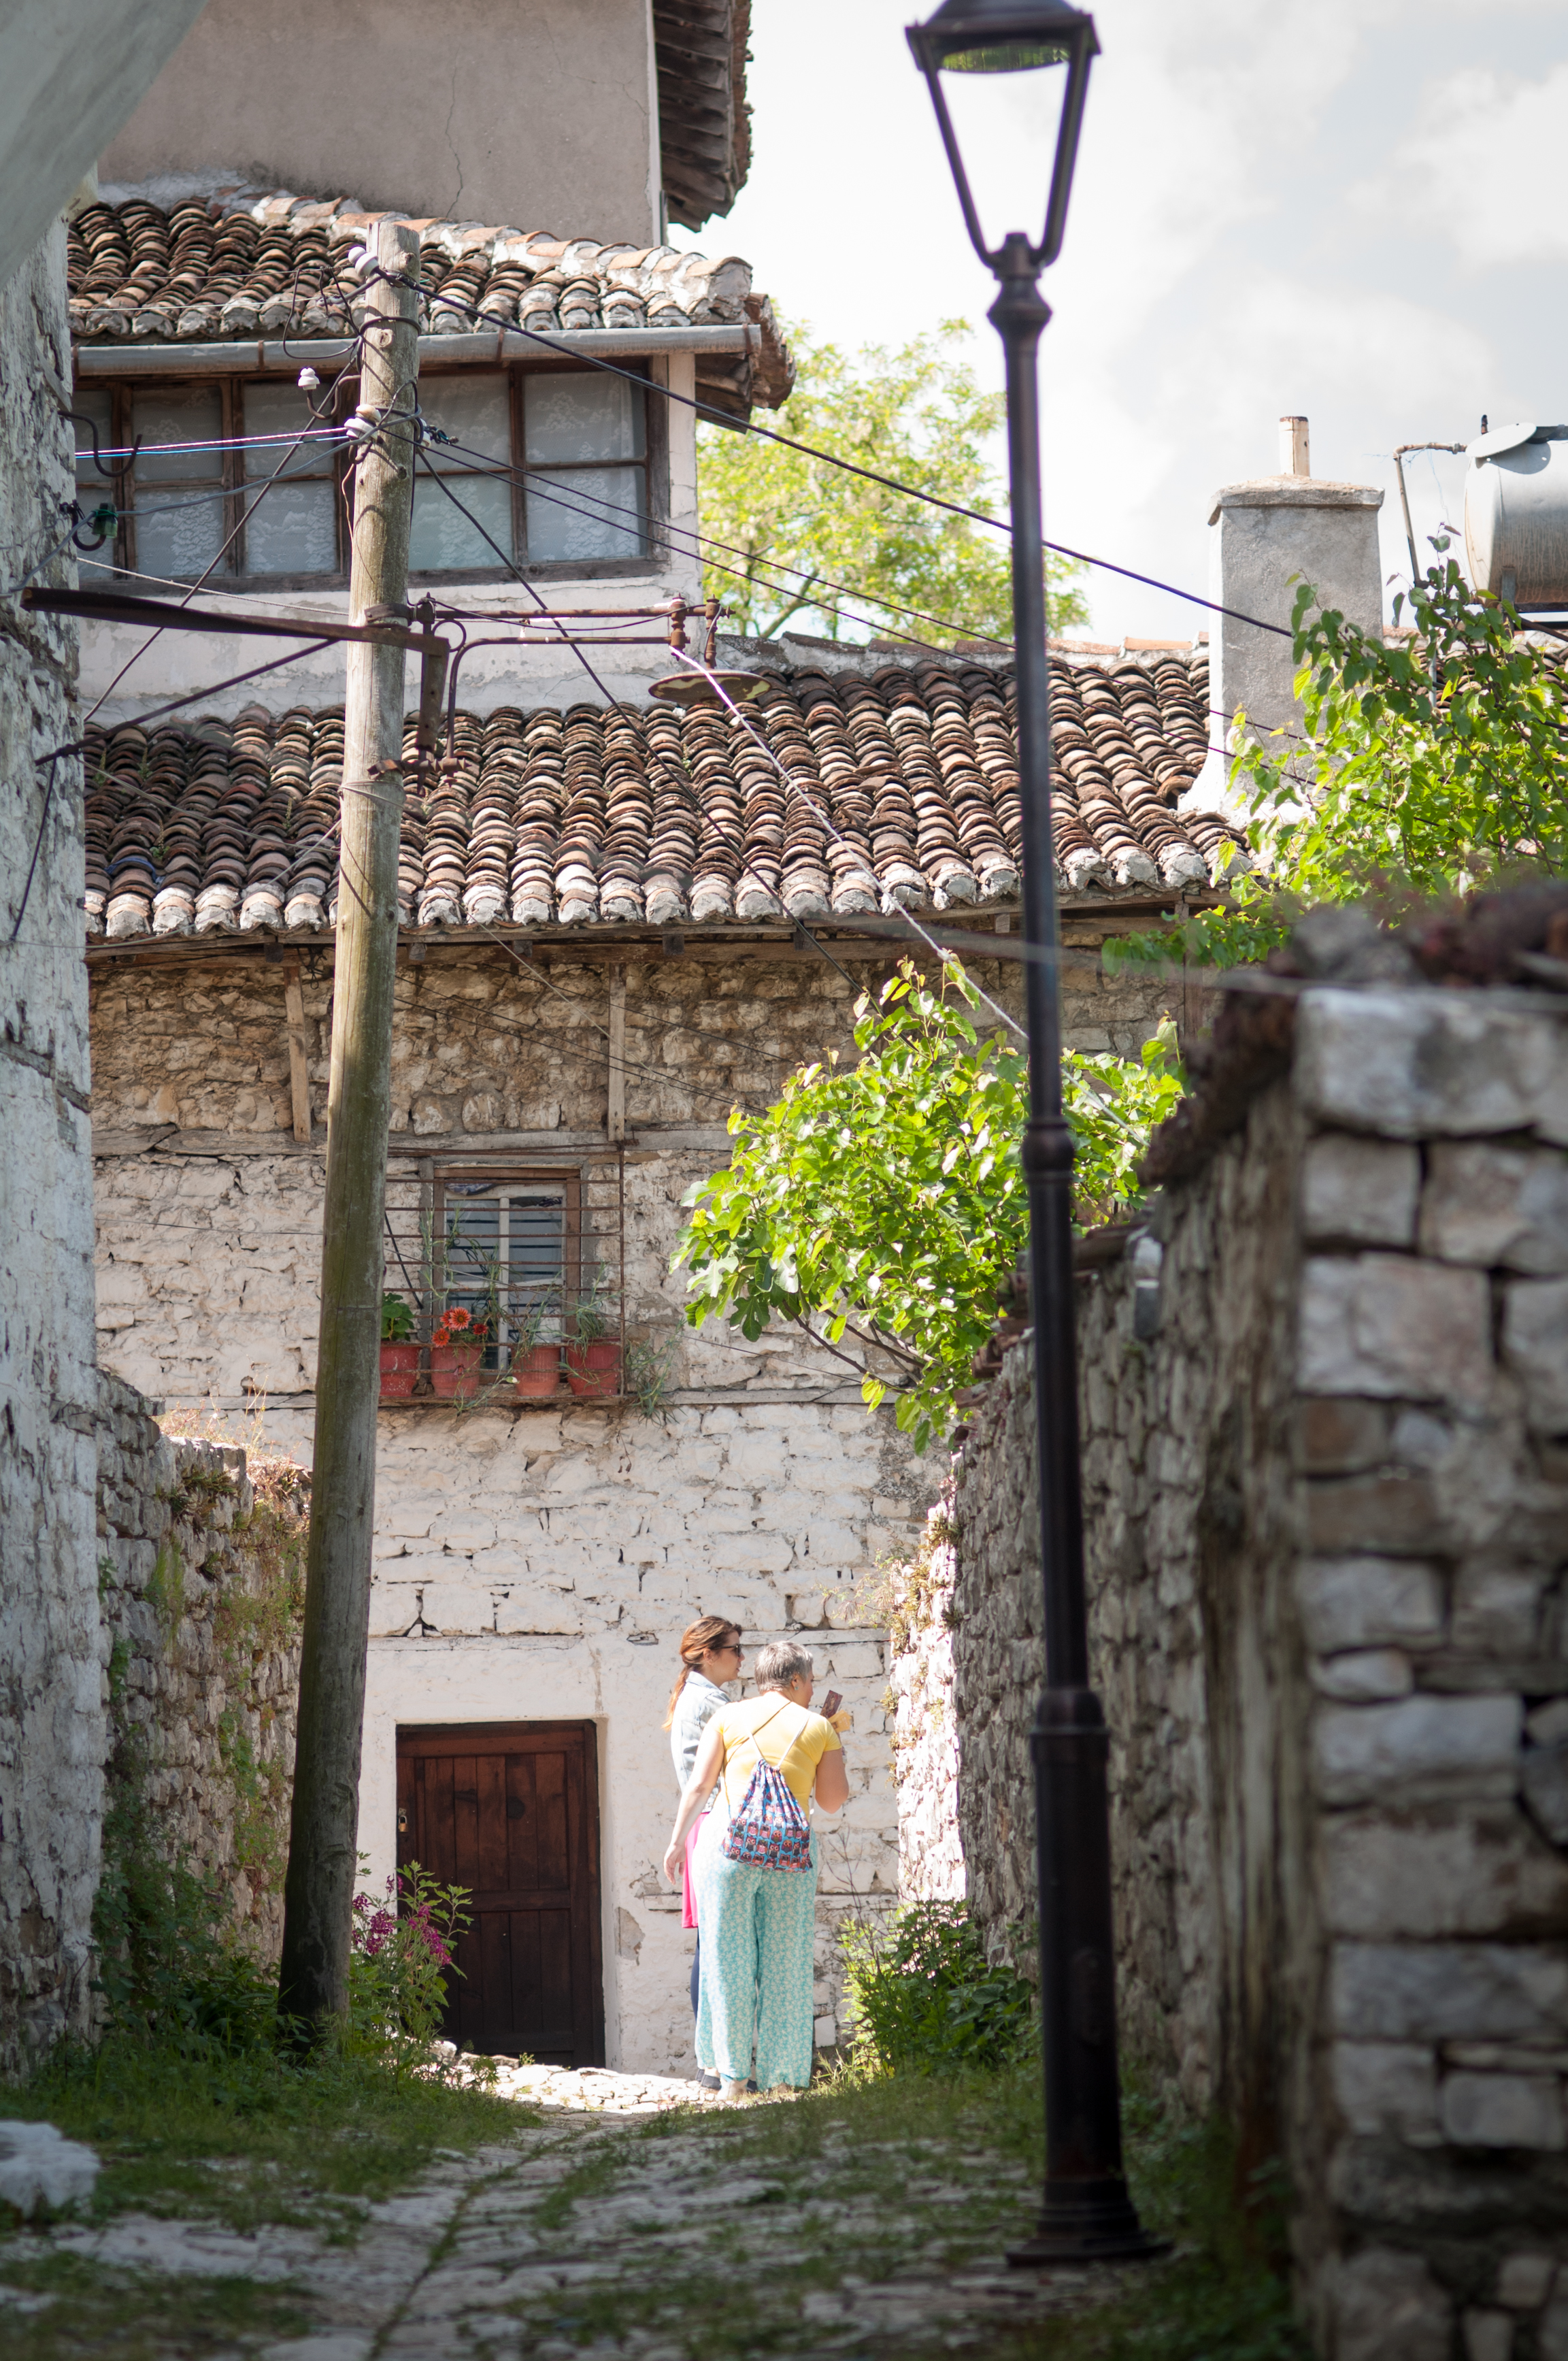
x,y
758,1923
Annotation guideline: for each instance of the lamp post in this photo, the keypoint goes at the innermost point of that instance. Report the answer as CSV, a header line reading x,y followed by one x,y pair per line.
x,y
1085,2212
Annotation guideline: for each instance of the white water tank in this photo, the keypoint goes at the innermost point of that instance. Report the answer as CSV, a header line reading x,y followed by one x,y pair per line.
x,y
1515,514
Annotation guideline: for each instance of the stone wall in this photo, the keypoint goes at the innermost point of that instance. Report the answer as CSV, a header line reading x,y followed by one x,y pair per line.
x,y
50,1717
1325,1423
919,1593
202,1579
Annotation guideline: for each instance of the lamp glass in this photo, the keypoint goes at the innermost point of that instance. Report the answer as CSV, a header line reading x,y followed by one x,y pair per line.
x,y
1005,101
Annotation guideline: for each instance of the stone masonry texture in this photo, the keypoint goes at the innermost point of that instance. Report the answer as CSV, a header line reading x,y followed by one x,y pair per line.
x,y
50,1714
200,1576
1326,1486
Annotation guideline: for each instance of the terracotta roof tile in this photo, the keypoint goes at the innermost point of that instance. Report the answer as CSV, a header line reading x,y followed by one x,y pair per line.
x,y
280,266
637,815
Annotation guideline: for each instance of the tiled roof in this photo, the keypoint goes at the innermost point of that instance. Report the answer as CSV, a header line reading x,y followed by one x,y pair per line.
x,y
650,815
705,124
243,265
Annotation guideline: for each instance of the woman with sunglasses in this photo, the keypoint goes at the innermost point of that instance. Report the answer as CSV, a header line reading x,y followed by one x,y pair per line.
x,y
711,1654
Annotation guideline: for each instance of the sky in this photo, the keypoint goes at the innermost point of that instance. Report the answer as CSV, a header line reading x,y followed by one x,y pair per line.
x,y
1351,212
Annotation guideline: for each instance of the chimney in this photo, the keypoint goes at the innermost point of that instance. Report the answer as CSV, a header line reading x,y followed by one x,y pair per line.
x,y
1266,538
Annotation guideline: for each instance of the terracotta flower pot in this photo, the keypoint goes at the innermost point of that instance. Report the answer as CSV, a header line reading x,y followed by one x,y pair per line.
x,y
594,1369
536,1371
399,1368
455,1371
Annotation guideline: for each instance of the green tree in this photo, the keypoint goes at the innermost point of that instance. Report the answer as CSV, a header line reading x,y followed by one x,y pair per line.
x,y
1428,766
916,412
885,1201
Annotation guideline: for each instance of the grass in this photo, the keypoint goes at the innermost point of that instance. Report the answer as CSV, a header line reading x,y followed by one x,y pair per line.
x,y
76,2309
871,2184
1225,2289
251,2137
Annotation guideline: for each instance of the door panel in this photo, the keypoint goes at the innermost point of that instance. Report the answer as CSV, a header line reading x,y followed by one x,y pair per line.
x,y
511,1811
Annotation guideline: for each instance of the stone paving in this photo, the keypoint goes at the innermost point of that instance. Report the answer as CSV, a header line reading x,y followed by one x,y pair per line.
x,y
589,2235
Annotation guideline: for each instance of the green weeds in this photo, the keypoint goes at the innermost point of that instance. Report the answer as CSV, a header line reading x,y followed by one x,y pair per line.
x,y
247,2135
926,1998
65,2307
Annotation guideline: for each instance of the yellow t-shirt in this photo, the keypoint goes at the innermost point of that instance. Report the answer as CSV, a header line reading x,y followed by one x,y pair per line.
x,y
791,1737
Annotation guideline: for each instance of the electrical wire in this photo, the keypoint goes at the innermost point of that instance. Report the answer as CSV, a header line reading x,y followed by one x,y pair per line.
x,y
896,909
227,443
351,362
869,475
665,535
79,746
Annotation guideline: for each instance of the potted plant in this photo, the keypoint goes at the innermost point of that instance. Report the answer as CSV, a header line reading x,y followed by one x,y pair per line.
x,y
536,1359
456,1351
593,1354
400,1352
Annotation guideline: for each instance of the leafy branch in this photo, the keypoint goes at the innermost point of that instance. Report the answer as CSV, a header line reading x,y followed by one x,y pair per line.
x,y
1425,767
884,1202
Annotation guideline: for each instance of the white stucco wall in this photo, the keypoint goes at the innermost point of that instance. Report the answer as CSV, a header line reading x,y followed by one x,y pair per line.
x,y
536,112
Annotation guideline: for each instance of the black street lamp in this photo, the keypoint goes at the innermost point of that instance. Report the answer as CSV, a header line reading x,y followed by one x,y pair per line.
x,y
1085,2212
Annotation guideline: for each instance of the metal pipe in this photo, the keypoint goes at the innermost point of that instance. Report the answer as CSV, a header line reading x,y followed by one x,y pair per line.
x,y
1400,451
1085,2210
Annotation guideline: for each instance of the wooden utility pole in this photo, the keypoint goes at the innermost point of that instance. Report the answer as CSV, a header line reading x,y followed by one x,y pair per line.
x,y
319,1892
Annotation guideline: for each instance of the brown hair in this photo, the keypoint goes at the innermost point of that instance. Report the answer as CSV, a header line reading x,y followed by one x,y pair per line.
x,y
709,1631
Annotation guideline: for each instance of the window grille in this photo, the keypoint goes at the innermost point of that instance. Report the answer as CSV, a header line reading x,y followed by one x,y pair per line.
x,y
585,505
532,1249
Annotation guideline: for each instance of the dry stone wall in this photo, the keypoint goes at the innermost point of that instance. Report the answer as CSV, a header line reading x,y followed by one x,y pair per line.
x,y
1325,1413
201,1576
50,1717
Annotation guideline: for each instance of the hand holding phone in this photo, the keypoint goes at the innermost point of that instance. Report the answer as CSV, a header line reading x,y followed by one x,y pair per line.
x,y
830,1705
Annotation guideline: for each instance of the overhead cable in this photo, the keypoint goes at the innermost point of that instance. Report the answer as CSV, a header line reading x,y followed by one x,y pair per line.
x,y
852,468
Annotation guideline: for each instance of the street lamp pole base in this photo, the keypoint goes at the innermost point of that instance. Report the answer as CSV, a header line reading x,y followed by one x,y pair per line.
x,y
1087,2221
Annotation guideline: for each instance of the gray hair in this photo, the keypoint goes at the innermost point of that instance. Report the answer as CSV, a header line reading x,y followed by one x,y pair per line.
x,y
779,1662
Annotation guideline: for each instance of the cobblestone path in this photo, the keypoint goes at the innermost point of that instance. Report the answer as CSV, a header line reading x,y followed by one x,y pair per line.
x,y
629,2222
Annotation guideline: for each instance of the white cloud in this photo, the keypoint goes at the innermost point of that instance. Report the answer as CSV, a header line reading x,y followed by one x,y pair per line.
x,y
1484,167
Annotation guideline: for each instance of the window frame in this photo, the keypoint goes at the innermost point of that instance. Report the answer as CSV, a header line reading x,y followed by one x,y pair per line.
x,y
520,1177
653,465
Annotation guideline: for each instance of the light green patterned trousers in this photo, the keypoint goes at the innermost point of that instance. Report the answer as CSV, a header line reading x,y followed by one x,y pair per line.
x,y
757,1927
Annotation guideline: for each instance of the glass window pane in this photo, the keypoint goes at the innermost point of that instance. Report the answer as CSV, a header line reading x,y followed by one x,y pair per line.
x,y
594,416
590,513
292,530
284,410
180,535
178,414
443,539
476,411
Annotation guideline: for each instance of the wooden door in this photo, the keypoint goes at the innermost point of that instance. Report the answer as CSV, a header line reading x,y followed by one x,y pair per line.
x,y
511,1811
